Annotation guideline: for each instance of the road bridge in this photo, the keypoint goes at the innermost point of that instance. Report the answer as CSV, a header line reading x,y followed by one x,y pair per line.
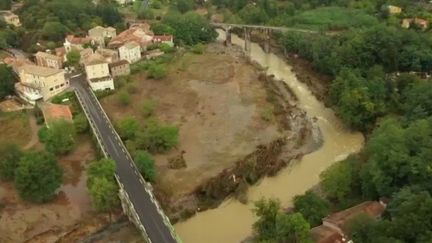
x,y
247,28
138,201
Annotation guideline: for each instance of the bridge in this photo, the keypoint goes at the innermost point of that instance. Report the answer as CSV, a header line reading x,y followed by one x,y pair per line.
x,y
266,29
137,199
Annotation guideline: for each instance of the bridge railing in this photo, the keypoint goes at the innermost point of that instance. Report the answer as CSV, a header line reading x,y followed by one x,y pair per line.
x,y
147,186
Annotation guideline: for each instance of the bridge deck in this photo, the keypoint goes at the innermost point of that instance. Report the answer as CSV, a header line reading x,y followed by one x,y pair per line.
x,y
263,27
127,173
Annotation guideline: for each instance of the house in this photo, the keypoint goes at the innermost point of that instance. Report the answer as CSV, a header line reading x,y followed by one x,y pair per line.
x,y
10,18
120,68
55,112
140,33
131,52
109,55
61,52
334,226
84,54
394,9
16,63
98,75
38,82
76,43
165,39
422,23
153,53
100,34
48,60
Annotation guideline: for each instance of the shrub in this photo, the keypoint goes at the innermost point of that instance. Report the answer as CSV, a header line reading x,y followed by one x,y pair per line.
x,y
124,98
267,113
157,71
43,134
127,127
145,163
148,107
198,48
81,123
10,154
157,136
132,89
146,14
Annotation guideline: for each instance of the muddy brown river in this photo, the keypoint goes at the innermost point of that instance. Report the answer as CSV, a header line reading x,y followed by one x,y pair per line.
x,y
232,221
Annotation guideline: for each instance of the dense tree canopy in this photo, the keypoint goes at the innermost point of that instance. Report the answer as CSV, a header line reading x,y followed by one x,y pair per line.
x,y
7,81
274,226
312,207
127,127
190,28
38,176
10,154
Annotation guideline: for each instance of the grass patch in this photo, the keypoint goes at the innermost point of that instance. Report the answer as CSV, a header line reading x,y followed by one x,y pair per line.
x,y
333,18
15,128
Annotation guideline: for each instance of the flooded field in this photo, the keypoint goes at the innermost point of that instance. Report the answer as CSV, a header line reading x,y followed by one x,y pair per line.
x,y
21,221
232,221
216,101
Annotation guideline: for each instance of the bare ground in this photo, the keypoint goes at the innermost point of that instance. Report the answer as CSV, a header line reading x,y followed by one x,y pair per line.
x,y
216,100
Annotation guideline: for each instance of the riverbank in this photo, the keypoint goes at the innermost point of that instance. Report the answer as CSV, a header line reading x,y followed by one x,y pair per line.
x,y
231,117
232,221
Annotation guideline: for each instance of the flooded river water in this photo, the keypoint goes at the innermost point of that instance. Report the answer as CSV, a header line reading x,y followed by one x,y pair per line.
x,y
232,221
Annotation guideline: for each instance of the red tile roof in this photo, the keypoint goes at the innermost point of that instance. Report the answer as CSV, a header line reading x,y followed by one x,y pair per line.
x,y
78,40
371,208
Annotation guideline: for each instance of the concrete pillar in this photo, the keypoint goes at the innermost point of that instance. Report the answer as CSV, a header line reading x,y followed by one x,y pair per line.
x,y
228,36
266,40
247,46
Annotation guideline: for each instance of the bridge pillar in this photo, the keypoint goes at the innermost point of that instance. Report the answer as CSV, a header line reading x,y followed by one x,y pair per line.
x,y
247,46
266,40
228,36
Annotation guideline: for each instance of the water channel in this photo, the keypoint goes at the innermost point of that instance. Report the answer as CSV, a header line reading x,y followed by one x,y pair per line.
x,y
232,221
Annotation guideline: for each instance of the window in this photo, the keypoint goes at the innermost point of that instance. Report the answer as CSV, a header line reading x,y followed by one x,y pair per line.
x,y
51,89
61,85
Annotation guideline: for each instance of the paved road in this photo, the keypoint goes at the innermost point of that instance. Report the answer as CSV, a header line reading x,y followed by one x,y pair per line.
x,y
224,25
147,212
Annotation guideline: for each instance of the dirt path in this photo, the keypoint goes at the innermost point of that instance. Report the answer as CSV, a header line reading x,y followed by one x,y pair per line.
x,y
34,133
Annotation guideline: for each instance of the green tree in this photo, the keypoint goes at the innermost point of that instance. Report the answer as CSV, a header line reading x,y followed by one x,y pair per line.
x,y
292,228
38,176
10,154
80,123
7,81
104,168
184,5
159,28
419,101
411,213
267,211
190,28
336,181
5,4
145,163
146,13
127,127
103,193
157,137
73,58
54,31
60,137
312,207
